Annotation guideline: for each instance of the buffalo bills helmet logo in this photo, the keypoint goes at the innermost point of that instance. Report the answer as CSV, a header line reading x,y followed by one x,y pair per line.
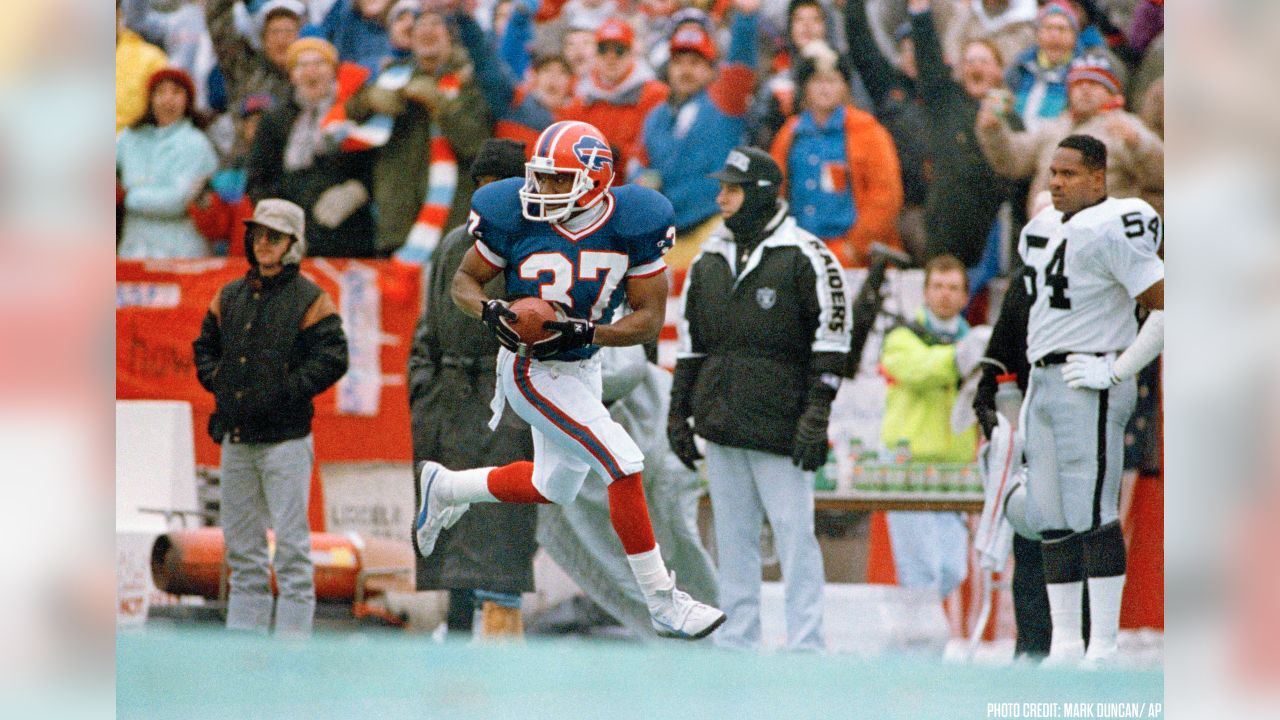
x,y
593,153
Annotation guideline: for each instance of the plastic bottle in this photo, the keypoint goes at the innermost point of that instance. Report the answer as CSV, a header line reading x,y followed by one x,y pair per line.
x,y
901,465
824,480
855,450
1008,398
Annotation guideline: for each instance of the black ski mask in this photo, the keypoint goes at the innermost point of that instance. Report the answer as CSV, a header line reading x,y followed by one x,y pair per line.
x,y
759,176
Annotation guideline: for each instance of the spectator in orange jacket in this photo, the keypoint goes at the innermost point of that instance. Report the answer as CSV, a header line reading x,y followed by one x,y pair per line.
x,y
619,92
842,175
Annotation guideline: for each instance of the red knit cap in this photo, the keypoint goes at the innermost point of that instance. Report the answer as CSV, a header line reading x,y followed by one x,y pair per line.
x,y
176,75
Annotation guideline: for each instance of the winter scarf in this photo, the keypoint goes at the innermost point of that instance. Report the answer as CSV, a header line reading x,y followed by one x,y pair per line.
x,y
442,170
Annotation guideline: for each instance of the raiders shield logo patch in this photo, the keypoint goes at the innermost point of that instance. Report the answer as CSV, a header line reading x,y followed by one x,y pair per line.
x,y
766,297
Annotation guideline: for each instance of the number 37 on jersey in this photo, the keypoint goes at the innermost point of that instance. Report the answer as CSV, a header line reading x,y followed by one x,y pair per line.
x,y
585,269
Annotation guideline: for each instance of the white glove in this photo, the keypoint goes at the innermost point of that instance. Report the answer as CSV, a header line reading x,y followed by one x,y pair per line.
x,y
1088,371
337,203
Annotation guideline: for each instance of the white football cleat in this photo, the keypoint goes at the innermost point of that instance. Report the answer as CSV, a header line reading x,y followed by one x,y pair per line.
x,y
433,514
1101,656
1064,655
677,615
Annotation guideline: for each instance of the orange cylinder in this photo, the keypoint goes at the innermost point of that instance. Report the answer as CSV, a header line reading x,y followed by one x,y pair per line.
x,y
190,562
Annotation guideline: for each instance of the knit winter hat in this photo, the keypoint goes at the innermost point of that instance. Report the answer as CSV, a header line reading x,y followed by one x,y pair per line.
x,y
174,75
1095,68
309,44
1061,7
499,157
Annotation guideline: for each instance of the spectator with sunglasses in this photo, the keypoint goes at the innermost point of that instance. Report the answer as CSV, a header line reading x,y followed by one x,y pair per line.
x,y
619,92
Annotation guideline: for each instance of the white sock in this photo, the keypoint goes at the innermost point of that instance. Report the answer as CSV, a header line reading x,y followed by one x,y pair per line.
x,y
651,572
1064,611
460,487
1104,611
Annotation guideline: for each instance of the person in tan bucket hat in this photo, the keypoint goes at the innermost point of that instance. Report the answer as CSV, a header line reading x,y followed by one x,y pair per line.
x,y
281,216
270,342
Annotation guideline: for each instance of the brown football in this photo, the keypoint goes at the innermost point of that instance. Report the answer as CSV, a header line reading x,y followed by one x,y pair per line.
x,y
531,312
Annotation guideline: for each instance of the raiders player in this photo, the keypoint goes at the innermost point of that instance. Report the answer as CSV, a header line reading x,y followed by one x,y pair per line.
x,y
1088,259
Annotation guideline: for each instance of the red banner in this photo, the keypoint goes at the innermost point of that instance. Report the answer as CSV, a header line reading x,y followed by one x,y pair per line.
x,y
160,305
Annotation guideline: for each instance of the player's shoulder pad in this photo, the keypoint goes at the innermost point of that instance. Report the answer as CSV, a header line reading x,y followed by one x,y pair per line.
x,y
498,204
1048,216
641,211
1109,218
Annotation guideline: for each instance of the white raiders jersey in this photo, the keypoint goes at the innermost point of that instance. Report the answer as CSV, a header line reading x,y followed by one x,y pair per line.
x,y
1082,275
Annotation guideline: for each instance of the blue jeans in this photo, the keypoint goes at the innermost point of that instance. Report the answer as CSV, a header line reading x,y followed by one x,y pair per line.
x,y
268,485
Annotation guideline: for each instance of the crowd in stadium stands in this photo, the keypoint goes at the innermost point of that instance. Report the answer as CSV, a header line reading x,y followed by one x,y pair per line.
x,y
907,122
925,125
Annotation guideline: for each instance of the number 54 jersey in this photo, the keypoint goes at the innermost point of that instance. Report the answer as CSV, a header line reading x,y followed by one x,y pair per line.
x,y
583,269
1082,275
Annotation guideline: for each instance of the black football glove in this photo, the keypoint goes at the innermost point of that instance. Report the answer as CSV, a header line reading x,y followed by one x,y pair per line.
x,y
680,436
987,420
811,448
984,401
571,334
495,316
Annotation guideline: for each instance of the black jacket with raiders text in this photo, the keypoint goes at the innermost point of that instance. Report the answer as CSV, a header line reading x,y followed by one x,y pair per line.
x,y
266,347
760,328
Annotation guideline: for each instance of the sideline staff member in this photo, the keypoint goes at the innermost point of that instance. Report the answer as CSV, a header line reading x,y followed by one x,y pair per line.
x,y
763,335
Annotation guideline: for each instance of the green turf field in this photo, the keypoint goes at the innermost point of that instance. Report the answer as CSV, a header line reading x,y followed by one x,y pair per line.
x,y
213,674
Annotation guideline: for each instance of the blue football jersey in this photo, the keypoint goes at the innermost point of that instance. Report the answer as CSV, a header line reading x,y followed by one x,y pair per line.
x,y
585,270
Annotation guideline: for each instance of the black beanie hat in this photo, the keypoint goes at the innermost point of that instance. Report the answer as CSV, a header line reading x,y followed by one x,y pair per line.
x,y
499,157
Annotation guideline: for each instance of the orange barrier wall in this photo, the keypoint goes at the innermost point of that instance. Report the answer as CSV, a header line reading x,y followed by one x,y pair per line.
x,y
159,308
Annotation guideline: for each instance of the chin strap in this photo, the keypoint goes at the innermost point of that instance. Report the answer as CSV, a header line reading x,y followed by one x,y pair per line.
x,y
1145,348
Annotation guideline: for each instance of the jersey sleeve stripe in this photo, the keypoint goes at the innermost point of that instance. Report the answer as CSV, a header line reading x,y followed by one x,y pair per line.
x,y
490,256
832,334
648,269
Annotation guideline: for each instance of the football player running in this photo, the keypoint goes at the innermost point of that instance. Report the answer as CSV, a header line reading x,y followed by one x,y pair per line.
x,y
563,235
1088,258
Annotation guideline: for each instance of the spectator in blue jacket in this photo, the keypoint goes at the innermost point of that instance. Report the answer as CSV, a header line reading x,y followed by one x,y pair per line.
x,y
521,112
513,33
687,138
358,28
162,162
1038,77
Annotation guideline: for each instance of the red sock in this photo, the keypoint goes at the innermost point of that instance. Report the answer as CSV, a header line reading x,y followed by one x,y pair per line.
x,y
514,483
630,515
